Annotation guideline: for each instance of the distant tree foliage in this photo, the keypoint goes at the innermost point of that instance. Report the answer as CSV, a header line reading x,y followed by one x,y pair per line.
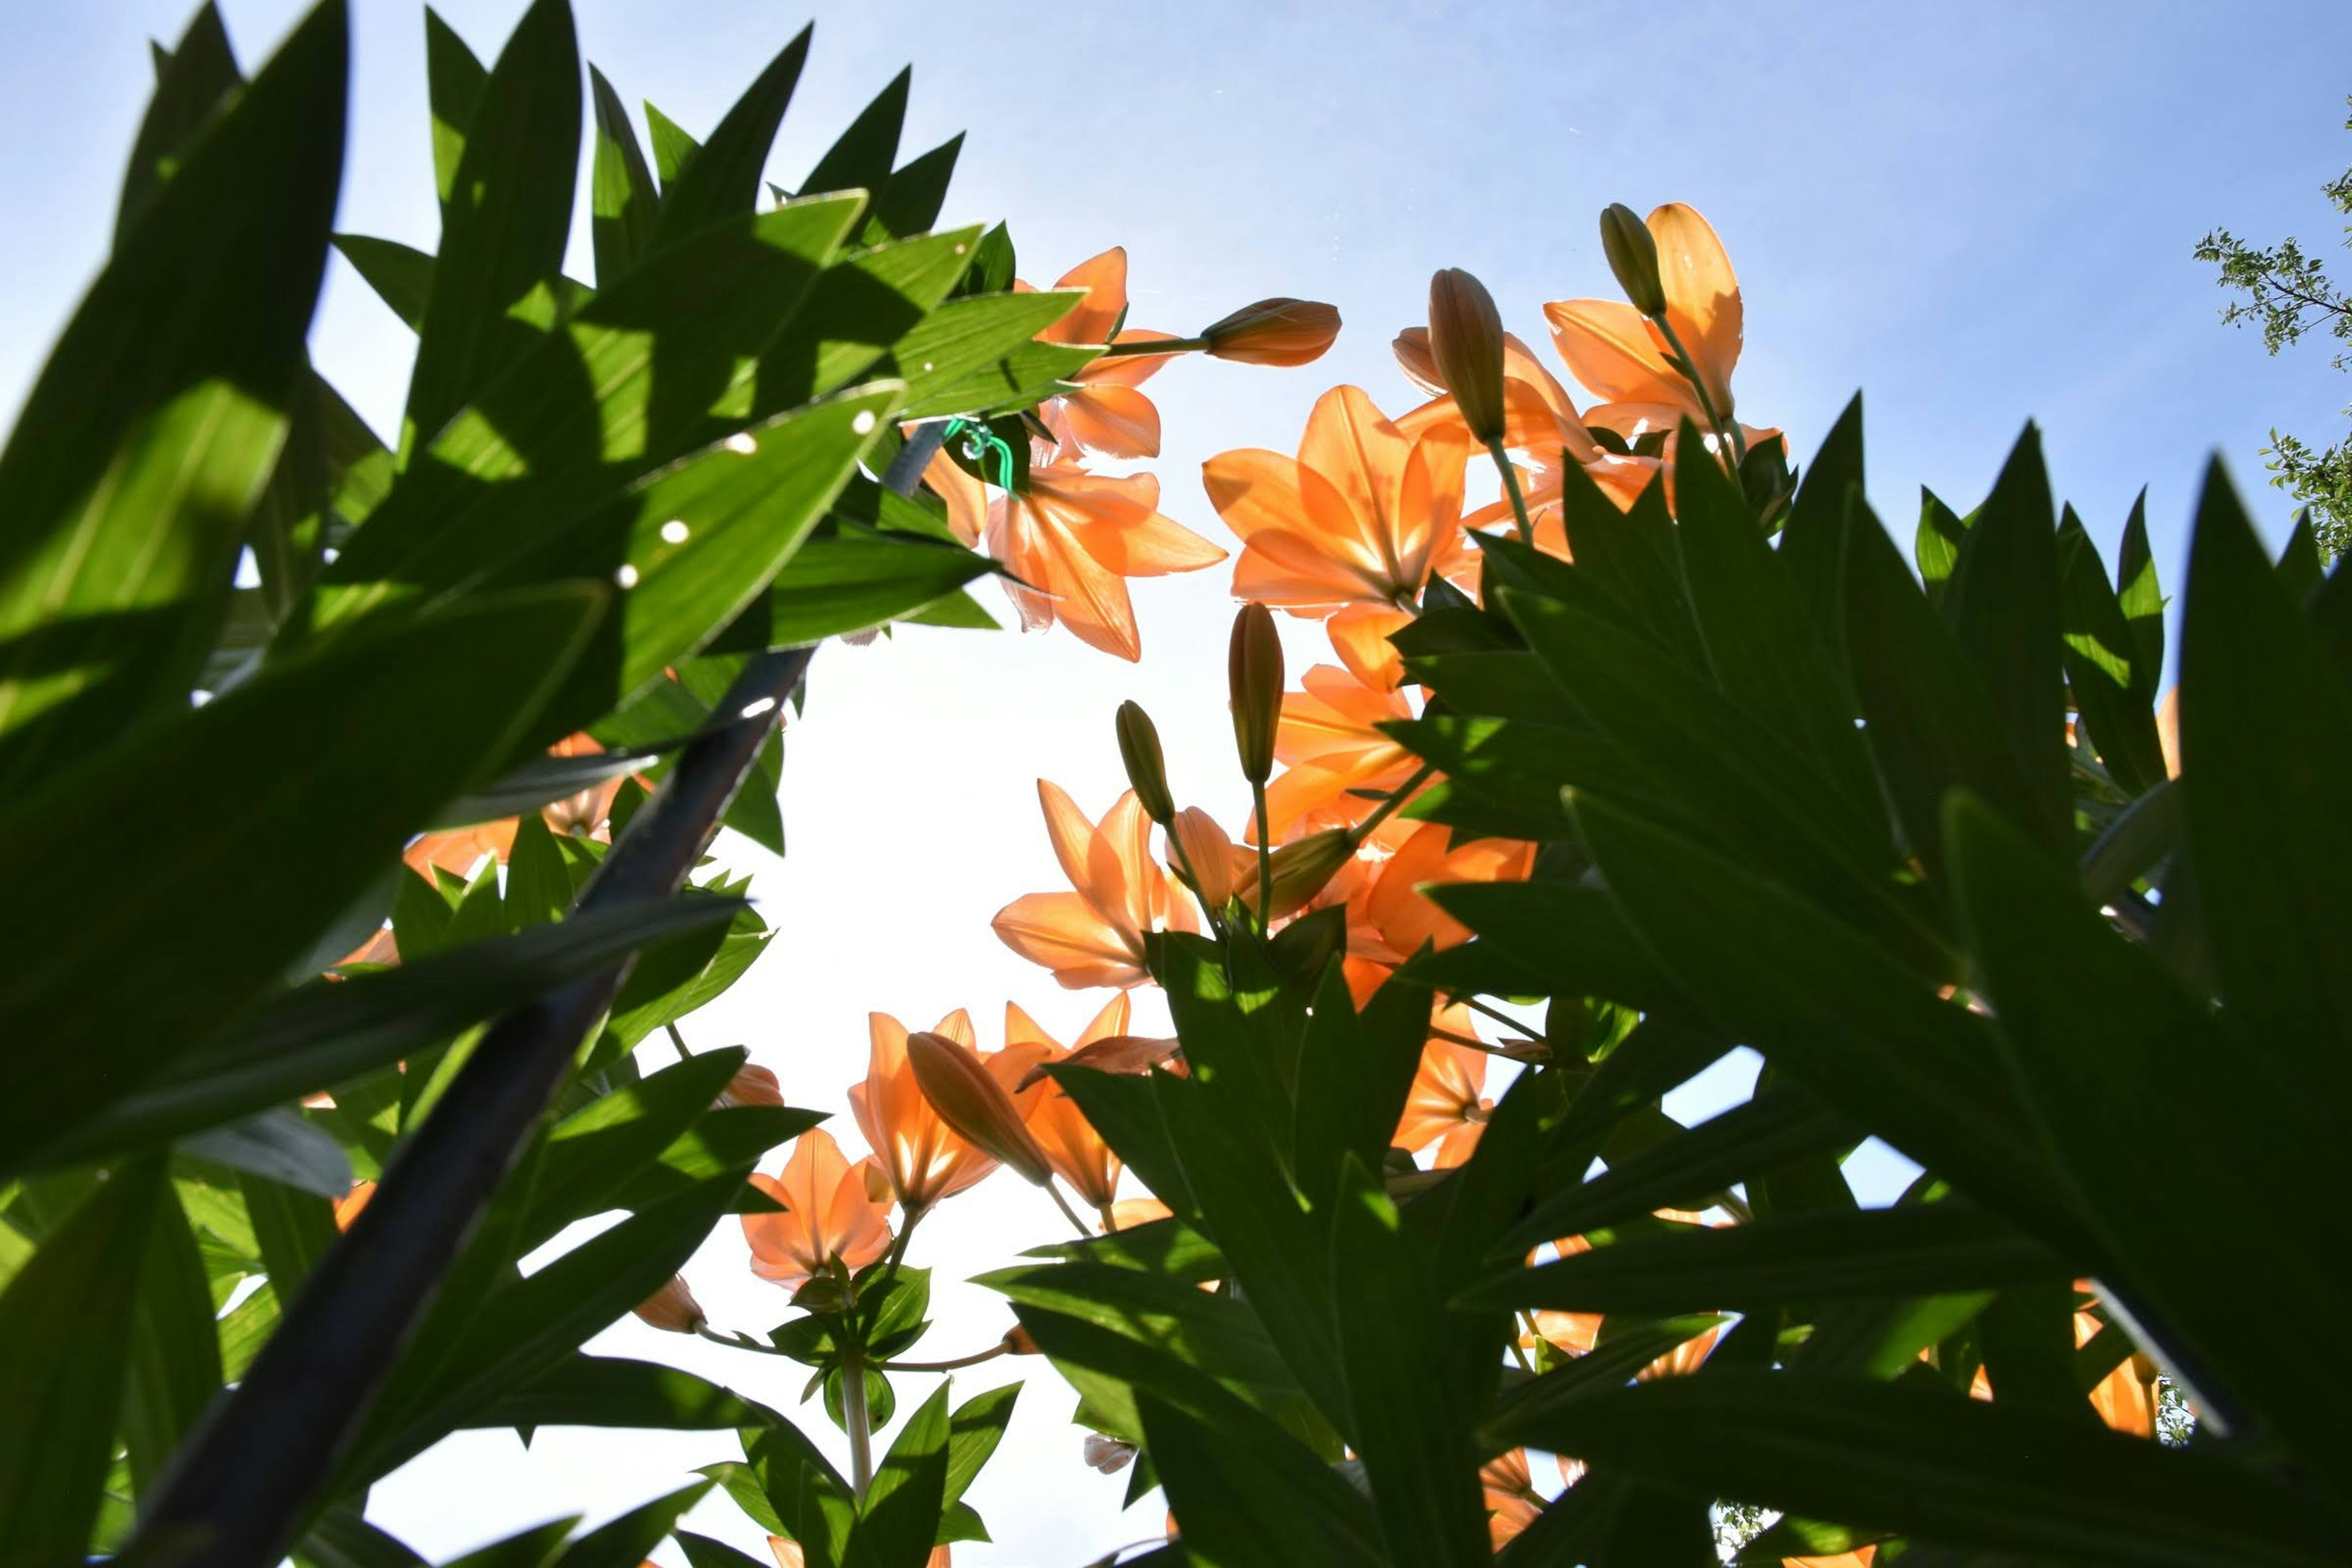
x,y
2289,294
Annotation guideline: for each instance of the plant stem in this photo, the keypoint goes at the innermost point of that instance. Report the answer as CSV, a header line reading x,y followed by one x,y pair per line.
x,y
1503,1018
990,1353
736,1342
1083,1228
898,1247
1155,346
1109,1220
679,1040
853,1416
1511,489
1395,798
1727,434
1265,860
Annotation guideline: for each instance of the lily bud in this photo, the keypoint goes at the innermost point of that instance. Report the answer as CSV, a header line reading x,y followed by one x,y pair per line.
x,y
751,1086
1018,1343
1301,867
974,1104
1632,253
1274,331
1146,768
672,1308
1209,852
1465,341
1253,666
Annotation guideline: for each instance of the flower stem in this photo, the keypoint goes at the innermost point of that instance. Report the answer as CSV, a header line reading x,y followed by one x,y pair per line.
x,y
898,1247
1511,489
1192,880
1155,346
1068,1213
1396,797
1688,369
735,1341
990,1353
853,1416
1265,860
1109,1220
679,1040
1503,1018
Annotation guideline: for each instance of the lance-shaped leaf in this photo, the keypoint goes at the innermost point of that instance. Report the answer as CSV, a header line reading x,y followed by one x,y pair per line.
x,y
625,1541
622,195
2100,654
900,1519
401,275
150,434
861,158
173,1349
64,1319
454,78
2103,1041
721,181
1966,1471
848,579
455,687
1919,1250
505,216
611,1391
1217,1333
200,72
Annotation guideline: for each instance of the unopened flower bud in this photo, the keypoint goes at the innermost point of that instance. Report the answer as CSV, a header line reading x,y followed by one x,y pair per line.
x,y
1147,769
1018,1343
1632,253
974,1104
1208,853
1301,867
672,1308
1275,331
1254,666
1465,341
751,1086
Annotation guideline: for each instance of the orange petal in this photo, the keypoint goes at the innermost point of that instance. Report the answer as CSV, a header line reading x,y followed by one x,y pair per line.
x,y
1702,295
1359,635
1113,421
1103,277
1063,933
1610,348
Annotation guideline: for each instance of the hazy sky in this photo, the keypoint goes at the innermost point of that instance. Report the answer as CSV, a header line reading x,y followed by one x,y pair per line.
x,y
1977,212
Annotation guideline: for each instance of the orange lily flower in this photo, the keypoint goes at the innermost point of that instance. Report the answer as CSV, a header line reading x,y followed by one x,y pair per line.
x,y
1860,1557
2125,1397
1539,420
1363,515
832,1209
1075,538
1359,635
1106,416
1094,935
1448,1104
1388,917
459,850
923,1160
1328,742
1621,355
1073,1148
1512,1500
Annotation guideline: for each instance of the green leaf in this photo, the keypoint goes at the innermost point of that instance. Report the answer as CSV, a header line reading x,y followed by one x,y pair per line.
x,y
455,687
1921,1250
2106,1043
1916,1070
701,1552
2003,606
506,215
278,1144
149,435
2142,600
1355,1074
621,196
320,1035
1966,1471
65,1318
173,1349
2099,651
976,355
789,1488
973,1432
1812,541
1937,545
673,148
1416,1449
293,1229
862,158
1240,1506
721,183
900,1519
454,79
524,1326
2266,749
909,202
850,579
533,1548
401,275
1689,1168
625,1541
1623,1351
340,1538
1215,1332
190,88
542,779
1559,939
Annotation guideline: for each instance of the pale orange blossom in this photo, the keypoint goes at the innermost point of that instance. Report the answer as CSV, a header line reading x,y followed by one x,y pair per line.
x,y
832,1209
1331,748
1363,515
1448,1104
1389,916
922,1158
1621,355
1094,935
1073,1148
1106,416
1073,540
1512,1500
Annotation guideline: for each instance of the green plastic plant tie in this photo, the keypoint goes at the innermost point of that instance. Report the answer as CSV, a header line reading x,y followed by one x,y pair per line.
x,y
981,442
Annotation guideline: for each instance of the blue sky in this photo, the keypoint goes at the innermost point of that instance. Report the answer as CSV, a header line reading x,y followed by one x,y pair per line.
x,y
1977,213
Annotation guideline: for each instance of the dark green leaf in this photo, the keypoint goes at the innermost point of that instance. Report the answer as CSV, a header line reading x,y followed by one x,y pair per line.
x,y
673,148
2099,652
1935,547
401,275
721,183
1620,1353
1968,1471
342,1539
622,195
626,1541
862,158
174,1350
505,218
153,427
900,1519
65,1318
278,1144
454,78
190,88
1246,1501
909,202
850,579
457,687
973,1433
